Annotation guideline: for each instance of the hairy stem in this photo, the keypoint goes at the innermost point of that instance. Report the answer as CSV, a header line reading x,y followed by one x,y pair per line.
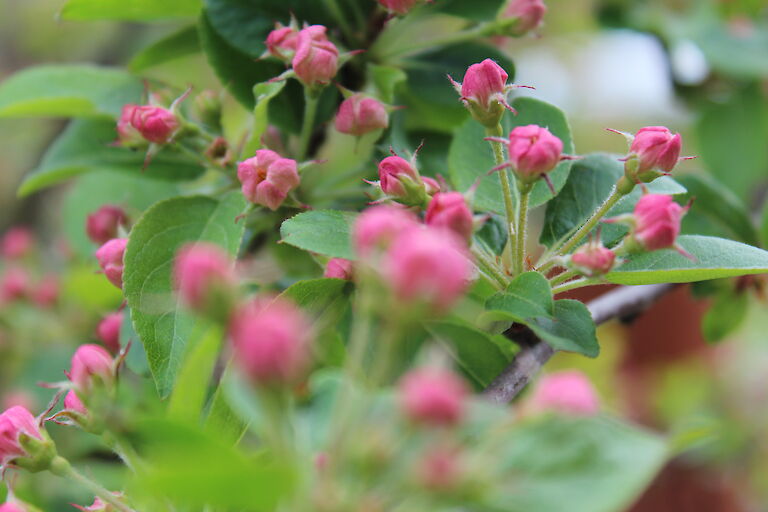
x,y
576,283
489,267
506,188
522,225
310,110
61,467
561,278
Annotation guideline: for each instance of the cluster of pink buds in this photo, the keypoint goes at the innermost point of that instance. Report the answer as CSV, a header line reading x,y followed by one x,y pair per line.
x,y
432,396
526,15
108,331
360,114
399,179
92,367
139,123
110,257
315,59
204,277
103,224
567,392
267,178
484,92
23,442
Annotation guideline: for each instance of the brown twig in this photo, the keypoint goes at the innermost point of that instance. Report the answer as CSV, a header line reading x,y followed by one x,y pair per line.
x,y
623,303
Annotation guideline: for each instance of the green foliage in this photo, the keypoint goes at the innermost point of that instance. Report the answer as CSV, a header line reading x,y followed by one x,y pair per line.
x,y
179,44
86,145
713,258
323,231
728,311
129,10
471,158
68,91
163,325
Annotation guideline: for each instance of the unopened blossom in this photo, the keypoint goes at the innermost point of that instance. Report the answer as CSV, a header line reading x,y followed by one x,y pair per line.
x,y
432,396
656,148
533,151
108,331
593,259
73,403
203,273
14,284
657,221
127,134
528,13
378,226
10,506
91,364
14,423
398,177
110,257
440,469
155,124
16,243
566,392
46,292
317,59
484,92
338,268
281,43
449,210
103,224
271,339
267,178
360,114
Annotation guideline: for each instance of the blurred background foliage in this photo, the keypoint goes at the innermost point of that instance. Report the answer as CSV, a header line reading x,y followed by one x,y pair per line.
x,y
698,66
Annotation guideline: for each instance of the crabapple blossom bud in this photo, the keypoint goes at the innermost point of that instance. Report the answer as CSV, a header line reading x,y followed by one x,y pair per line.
x,y
428,266
397,177
108,331
91,364
449,210
14,284
565,392
398,6
484,92
656,149
592,259
317,59
528,13
431,185
432,396
102,225
127,134
155,124
18,432
271,341
359,115
46,293
267,178
110,256
378,226
281,43
19,397
533,151
73,403
440,469
338,268
10,506
204,277
657,221
16,243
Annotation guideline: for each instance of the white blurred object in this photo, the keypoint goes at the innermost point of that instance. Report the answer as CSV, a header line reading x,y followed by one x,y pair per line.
x,y
689,64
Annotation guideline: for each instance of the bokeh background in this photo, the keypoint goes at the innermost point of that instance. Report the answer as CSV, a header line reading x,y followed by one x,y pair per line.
x,y
697,66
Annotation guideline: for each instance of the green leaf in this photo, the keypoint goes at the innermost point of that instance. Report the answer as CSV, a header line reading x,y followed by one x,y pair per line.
x,y
163,325
130,10
571,330
719,206
527,297
714,258
319,296
386,79
476,352
732,139
134,192
321,231
589,184
593,464
725,315
136,359
263,93
179,44
479,10
493,234
68,91
471,157
86,145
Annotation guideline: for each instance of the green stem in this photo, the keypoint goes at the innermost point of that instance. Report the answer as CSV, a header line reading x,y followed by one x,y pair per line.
x,y
506,187
577,283
61,467
561,278
489,267
310,110
522,222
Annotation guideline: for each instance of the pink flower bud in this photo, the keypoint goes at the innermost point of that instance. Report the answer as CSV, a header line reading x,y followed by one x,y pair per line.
x,y
395,173
281,43
656,148
102,225
99,505
108,331
91,363
155,124
127,135
267,178
338,268
73,403
46,293
566,392
13,423
110,256
431,185
203,272
657,221
378,226
317,59
533,151
440,469
592,259
19,397
359,115
12,507
432,396
483,82
398,6
14,284
449,210
529,14
428,265
16,243
271,341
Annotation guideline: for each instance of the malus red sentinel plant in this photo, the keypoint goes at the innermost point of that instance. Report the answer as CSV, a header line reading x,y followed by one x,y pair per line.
x,y
354,390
